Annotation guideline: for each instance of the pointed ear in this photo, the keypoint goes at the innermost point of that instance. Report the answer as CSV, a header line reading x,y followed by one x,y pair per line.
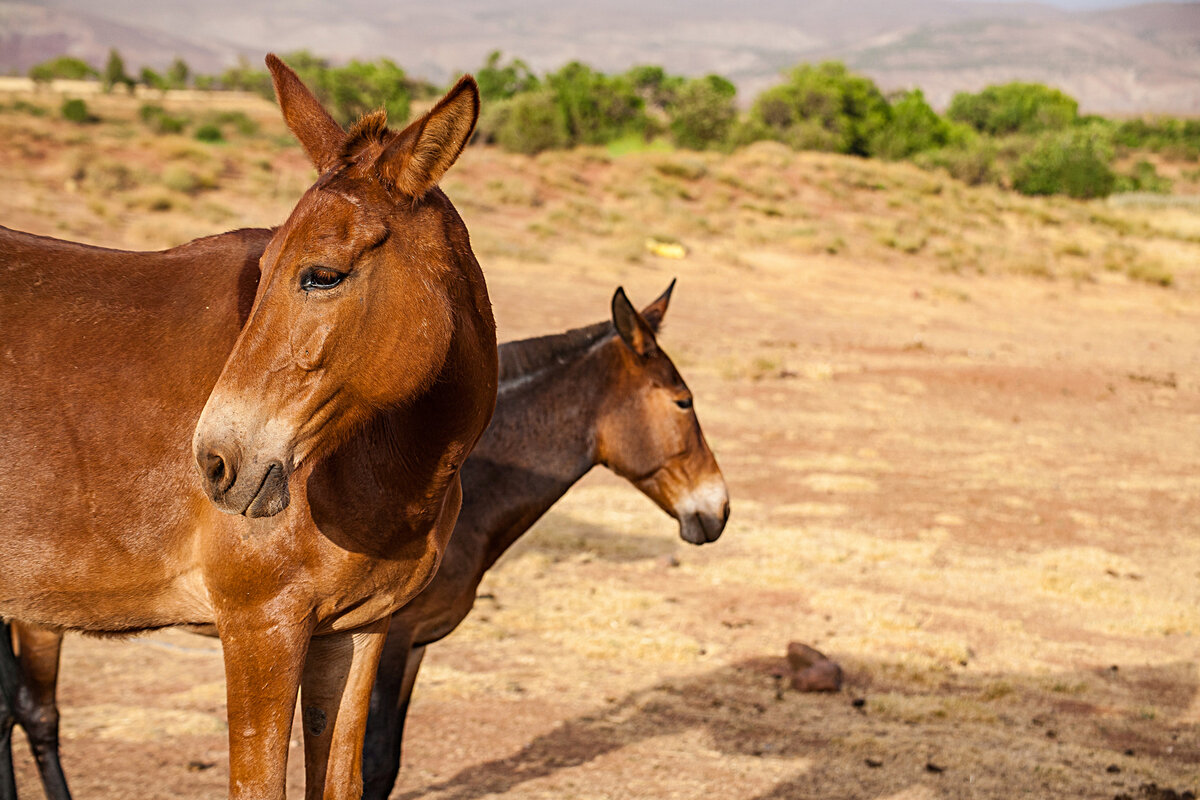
x,y
320,135
421,153
654,313
632,329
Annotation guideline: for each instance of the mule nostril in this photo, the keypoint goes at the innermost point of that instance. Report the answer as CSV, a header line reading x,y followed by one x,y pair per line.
x,y
218,472
725,512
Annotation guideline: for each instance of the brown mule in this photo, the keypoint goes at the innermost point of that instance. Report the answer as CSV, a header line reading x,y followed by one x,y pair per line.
x,y
605,394
332,435
548,430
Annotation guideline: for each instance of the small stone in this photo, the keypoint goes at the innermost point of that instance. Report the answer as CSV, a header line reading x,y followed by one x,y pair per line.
x,y
669,561
934,768
823,676
874,763
200,766
1112,768
858,702
801,656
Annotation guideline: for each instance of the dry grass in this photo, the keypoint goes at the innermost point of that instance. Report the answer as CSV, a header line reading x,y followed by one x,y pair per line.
x,y
959,429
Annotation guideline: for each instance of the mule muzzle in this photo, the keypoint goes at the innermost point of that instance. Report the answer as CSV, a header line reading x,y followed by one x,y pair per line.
x,y
703,514
252,489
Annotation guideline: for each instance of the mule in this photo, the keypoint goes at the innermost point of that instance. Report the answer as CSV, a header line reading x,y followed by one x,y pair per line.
x,y
329,432
633,409
605,394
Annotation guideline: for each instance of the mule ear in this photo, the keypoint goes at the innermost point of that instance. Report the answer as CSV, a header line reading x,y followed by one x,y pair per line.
x,y
632,329
320,135
421,153
654,313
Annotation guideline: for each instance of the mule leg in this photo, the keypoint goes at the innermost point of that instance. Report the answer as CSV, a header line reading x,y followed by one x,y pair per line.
x,y
389,705
36,706
262,676
334,698
10,676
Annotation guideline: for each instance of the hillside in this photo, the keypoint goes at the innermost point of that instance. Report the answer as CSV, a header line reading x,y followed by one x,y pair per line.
x,y
1135,58
958,427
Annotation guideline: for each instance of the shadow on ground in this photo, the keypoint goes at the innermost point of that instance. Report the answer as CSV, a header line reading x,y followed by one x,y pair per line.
x,y
955,734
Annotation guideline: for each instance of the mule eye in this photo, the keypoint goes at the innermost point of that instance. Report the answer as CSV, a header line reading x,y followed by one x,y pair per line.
x,y
320,278
684,403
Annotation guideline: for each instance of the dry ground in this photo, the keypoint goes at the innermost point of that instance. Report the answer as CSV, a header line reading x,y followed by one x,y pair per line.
x,y
960,431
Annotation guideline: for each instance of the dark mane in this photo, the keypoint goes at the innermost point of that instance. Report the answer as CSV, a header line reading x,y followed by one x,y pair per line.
x,y
528,356
370,129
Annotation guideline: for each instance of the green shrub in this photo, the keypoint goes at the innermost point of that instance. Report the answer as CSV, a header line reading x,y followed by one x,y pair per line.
x,y
152,80
1014,108
209,132
498,82
972,161
1144,178
75,110
823,107
62,67
158,120
1074,163
702,112
527,123
913,127
239,120
114,72
1175,138
596,108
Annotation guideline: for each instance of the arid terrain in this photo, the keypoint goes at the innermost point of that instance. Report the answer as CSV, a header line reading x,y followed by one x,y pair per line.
x,y
960,430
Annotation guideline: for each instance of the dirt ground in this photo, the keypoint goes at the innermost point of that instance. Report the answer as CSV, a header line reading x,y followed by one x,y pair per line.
x,y
973,483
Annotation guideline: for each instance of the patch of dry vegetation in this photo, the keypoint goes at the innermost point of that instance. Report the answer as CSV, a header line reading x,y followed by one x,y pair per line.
x,y
959,430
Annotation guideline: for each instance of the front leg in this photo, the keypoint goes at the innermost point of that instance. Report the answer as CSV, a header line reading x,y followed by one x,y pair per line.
x,y
389,706
37,707
334,699
264,657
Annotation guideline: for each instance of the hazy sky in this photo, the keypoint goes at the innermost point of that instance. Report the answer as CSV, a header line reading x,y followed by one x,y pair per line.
x,y
1087,4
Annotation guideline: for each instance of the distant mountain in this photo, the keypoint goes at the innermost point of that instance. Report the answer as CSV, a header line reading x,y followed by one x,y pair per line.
x,y
31,33
1127,59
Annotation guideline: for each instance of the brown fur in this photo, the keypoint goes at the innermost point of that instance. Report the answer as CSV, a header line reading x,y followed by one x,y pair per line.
x,y
567,402
106,362
544,422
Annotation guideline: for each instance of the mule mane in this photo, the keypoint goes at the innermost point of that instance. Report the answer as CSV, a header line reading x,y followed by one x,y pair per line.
x,y
370,129
526,357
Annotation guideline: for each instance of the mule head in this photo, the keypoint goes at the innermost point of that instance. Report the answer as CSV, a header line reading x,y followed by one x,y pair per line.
x,y
355,307
648,433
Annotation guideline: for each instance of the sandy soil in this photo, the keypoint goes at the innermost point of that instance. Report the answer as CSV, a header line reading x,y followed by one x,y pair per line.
x,y
977,492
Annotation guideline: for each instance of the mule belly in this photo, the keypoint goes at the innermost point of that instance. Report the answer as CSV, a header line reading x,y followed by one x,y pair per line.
x,y
105,603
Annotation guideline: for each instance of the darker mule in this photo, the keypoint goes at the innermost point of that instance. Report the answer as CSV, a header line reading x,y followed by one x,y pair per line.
x,y
330,431
605,394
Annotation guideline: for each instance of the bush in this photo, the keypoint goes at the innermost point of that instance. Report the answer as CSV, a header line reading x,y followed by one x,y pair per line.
x,y
160,121
114,72
914,127
527,123
825,107
209,132
1074,163
1144,178
238,119
76,110
702,112
596,108
1173,137
971,160
64,67
498,82
1014,108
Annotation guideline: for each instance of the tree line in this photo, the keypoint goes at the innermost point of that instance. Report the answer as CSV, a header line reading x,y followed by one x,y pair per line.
x,y
1026,136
